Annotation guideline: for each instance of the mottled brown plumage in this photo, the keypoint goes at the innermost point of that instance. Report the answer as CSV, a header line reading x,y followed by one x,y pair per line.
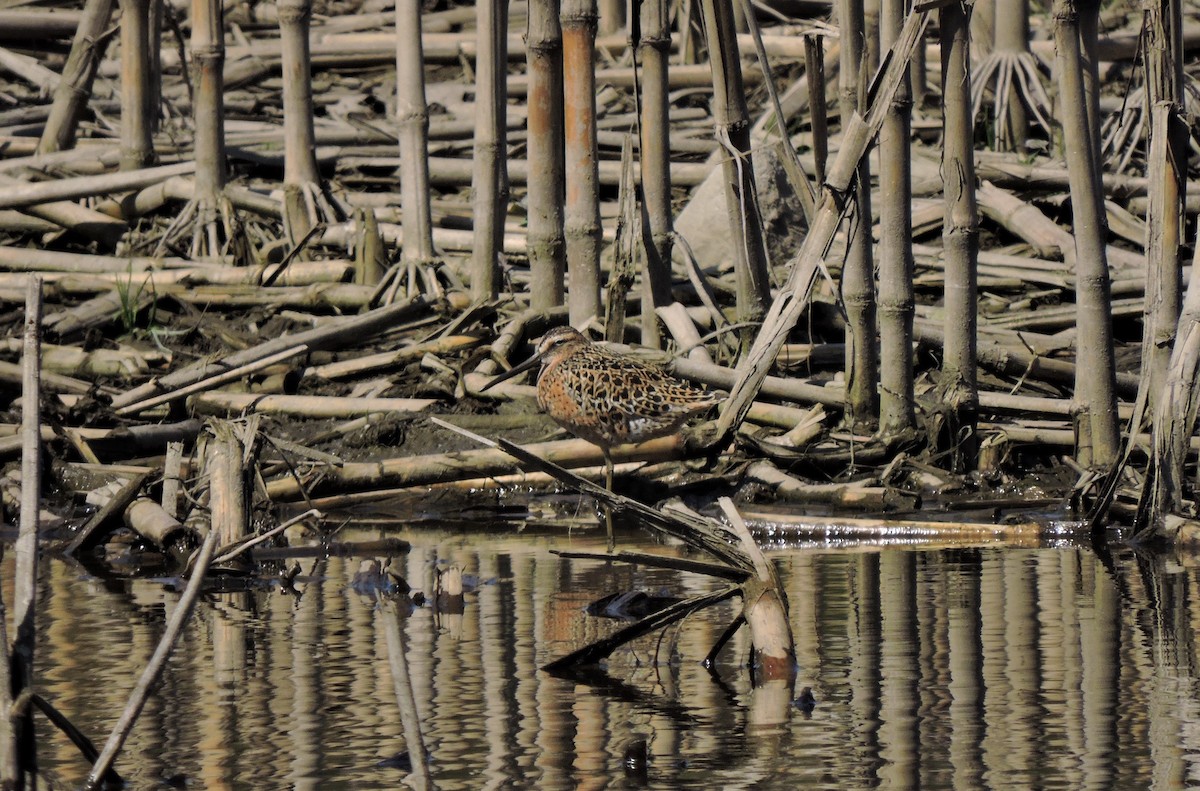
x,y
607,398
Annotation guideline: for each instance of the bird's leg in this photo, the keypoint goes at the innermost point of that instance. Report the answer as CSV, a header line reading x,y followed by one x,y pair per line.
x,y
608,480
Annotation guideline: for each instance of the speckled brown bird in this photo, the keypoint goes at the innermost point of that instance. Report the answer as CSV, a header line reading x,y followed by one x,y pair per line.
x,y
607,398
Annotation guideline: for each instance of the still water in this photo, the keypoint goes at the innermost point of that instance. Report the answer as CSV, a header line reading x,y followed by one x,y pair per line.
x,y
939,669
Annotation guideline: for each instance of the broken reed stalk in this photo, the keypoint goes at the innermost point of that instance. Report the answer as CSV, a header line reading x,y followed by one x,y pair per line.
x,y
764,608
858,270
547,245
412,116
582,229
960,239
897,301
22,750
208,114
75,86
227,489
732,122
406,700
808,262
623,273
1165,216
654,52
1095,388
489,181
342,331
1162,495
137,140
814,75
150,675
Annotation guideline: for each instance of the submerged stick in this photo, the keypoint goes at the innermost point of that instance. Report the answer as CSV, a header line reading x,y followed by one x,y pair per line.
x,y
150,675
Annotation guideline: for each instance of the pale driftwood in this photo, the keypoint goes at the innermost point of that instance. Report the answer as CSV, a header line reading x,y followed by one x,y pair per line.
x,y
89,186
73,361
908,530
149,678
99,311
219,403
441,467
861,495
152,522
12,373
65,214
344,330
384,360
675,318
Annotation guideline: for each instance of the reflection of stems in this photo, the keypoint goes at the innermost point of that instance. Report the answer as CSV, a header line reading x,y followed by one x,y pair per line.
x,y
154,667
405,699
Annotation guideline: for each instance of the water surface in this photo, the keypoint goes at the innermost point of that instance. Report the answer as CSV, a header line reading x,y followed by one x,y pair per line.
x,y
939,669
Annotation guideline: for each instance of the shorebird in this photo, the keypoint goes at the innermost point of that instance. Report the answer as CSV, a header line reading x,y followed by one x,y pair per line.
x,y
607,398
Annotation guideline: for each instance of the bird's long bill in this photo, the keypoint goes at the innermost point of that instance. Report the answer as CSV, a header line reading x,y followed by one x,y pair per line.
x,y
515,371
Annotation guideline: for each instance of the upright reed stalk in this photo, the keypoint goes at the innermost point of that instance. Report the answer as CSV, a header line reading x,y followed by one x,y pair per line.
x,y
413,117
654,50
137,140
545,199
75,86
582,221
741,197
1168,185
488,181
208,58
299,140
960,237
858,272
897,409
1097,427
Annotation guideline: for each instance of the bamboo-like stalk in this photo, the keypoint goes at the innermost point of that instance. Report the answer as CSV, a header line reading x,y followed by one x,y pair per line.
x,y
547,245
897,406
299,147
793,297
814,74
858,270
1095,389
1012,36
76,84
960,237
732,122
1168,192
1163,493
489,180
412,114
208,58
582,229
227,500
26,568
654,51
137,140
